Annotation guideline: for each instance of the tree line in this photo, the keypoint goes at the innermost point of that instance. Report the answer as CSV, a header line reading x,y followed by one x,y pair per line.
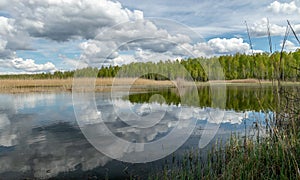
x,y
237,98
262,66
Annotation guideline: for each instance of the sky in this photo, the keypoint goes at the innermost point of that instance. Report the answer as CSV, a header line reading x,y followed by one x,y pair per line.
x,y
50,35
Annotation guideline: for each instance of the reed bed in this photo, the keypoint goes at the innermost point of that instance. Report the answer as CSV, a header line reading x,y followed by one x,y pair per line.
x,y
104,84
64,85
38,85
275,157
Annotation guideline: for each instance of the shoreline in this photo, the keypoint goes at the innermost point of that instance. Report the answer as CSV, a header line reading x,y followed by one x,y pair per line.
x,y
105,84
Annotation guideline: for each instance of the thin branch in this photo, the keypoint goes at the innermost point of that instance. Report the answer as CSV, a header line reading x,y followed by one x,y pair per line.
x,y
269,36
282,48
250,42
293,31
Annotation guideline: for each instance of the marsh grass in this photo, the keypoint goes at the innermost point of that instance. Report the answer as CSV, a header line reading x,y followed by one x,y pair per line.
x,y
105,84
62,85
38,85
274,157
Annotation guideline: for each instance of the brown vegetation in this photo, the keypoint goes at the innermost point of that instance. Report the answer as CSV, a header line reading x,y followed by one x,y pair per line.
x,y
63,85
102,84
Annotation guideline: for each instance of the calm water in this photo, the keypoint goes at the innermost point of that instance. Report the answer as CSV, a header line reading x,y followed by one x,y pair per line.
x,y
40,137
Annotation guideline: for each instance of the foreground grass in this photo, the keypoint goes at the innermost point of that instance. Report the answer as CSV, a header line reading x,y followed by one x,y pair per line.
x,y
275,157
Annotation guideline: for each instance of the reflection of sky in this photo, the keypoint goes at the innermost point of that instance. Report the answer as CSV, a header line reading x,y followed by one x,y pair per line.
x,y
39,134
28,101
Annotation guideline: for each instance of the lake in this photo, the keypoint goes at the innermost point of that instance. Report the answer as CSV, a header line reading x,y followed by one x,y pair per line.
x,y
41,138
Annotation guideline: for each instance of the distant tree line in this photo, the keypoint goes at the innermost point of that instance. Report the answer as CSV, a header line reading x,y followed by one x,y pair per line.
x,y
262,66
55,75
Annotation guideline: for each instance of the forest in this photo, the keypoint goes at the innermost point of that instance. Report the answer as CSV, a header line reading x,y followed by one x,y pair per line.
x,y
263,66
237,98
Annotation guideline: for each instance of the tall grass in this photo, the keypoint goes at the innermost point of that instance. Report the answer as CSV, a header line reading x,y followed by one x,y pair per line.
x,y
274,157
61,85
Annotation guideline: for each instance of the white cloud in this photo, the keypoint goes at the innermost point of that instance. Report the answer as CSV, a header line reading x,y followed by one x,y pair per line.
x,y
72,64
212,18
218,46
149,43
62,20
123,59
228,46
146,55
2,45
6,26
5,30
142,33
259,29
29,65
14,37
90,48
285,8
216,30
289,46
141,36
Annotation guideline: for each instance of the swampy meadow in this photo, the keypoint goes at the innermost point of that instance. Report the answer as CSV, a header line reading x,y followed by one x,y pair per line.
x,y
257,135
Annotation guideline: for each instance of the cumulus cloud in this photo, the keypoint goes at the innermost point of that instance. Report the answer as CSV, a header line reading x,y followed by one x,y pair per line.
x,y
62,20
145,55
218,46
285,8
11,38
3,51
123,59
59,20
260,28
151,43
230,46
14,37
141,36
214,47
29,65
2,45
16,65
289,46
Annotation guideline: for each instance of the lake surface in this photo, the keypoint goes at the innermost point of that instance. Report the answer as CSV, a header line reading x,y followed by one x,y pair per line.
x,y
40,137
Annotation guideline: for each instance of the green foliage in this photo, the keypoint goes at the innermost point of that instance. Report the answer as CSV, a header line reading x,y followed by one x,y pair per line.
x,y
272,158
276,155
55,75
239,66
238,98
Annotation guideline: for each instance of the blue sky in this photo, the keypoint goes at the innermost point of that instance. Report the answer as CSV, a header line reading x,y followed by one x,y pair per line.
x,y
49,35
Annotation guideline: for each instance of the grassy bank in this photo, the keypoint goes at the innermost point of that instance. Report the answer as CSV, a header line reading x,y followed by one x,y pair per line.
x,y
275,156
271,158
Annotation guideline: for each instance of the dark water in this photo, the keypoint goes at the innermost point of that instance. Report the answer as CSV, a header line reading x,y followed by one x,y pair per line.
x,y
40,137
